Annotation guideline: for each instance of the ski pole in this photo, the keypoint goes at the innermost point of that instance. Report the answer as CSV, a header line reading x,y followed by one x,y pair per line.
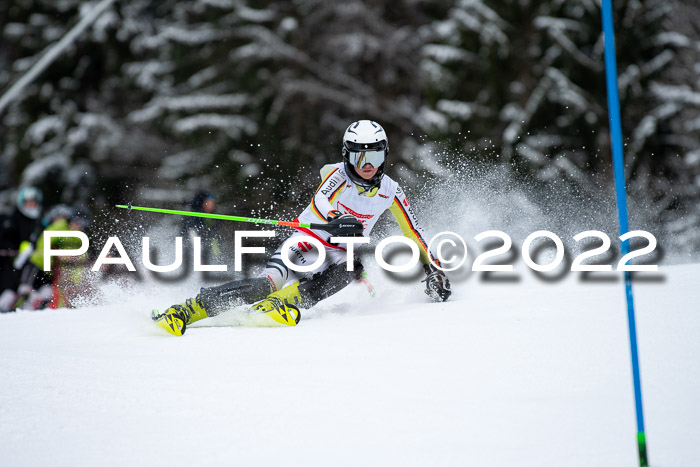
x,y
224,217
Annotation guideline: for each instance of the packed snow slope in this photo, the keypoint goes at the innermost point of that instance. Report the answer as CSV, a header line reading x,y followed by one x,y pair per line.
x,y
524,372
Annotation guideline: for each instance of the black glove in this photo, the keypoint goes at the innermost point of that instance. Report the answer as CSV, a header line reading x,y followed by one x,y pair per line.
x,y
437,286
344,225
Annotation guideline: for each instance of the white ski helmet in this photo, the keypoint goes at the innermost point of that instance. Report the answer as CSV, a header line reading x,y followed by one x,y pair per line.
x,y
365,142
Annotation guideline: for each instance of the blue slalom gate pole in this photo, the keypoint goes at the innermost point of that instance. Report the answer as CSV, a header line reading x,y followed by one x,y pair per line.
x,y
621,194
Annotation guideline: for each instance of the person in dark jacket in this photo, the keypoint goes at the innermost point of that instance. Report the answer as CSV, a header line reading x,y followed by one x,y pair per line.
x,y
203,201
16,227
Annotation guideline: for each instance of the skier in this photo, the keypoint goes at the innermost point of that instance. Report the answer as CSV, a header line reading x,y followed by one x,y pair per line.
x,y
351,197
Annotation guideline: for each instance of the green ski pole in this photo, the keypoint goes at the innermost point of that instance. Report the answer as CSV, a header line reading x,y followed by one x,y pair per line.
x,y
224,217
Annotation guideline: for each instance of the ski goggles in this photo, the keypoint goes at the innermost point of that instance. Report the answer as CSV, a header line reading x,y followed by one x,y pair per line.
x,y
361,154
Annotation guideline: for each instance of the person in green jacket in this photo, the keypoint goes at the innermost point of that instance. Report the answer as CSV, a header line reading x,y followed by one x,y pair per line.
x,y
38,288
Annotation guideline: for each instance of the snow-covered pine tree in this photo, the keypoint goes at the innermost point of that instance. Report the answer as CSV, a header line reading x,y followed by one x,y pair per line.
x,y
235,95
260,92
525,81
678,89
67,129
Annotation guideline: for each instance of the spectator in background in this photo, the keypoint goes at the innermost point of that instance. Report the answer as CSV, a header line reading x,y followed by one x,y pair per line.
x,y
203,201
38,288
70,274
17,226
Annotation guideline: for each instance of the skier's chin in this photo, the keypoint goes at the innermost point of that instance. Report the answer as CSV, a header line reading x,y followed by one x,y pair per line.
x,y
367,174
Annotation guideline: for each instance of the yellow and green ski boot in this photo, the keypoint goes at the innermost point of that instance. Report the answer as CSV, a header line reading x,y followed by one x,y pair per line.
x,y
176,318
281,306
